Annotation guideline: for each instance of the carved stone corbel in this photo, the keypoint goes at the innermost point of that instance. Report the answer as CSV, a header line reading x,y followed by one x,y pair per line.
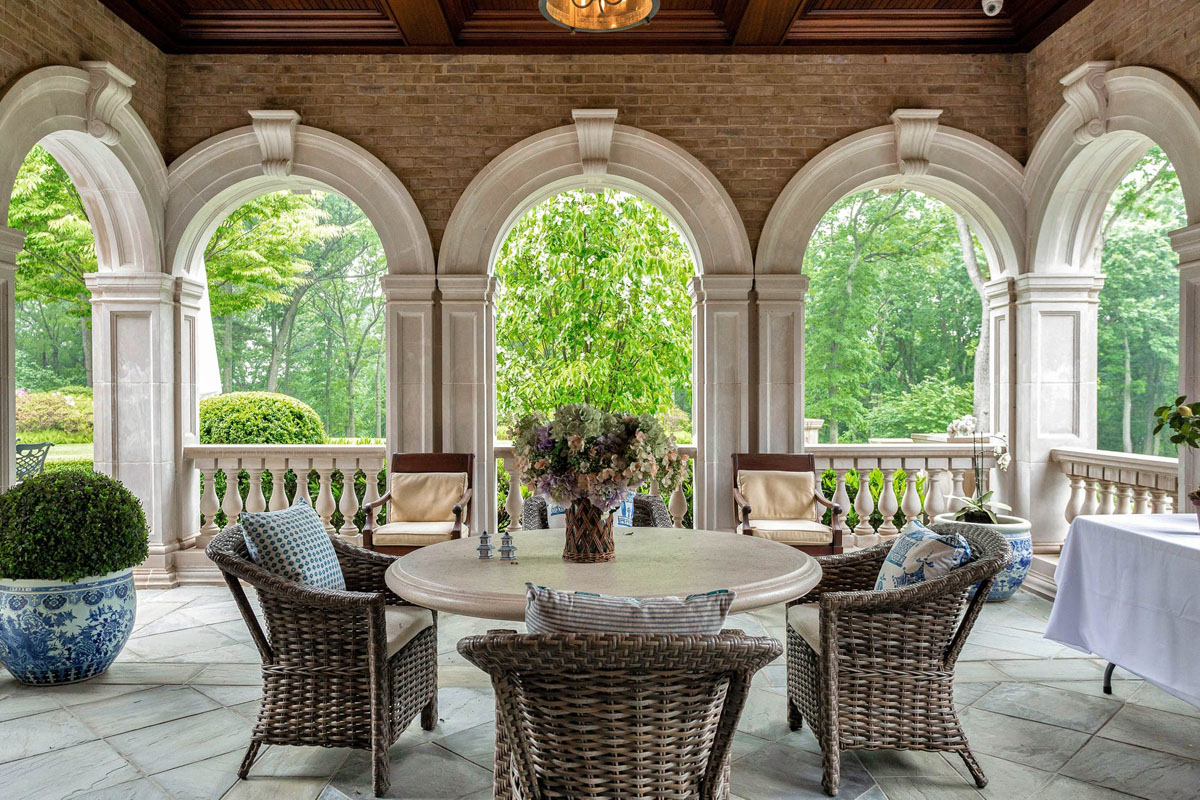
x,y
109,91
276,132
1085,90
915,128
594,126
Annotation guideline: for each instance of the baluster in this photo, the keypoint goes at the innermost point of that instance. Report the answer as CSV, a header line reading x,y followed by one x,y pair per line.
x,y
209,505
231,504
515,504
935,497
1124,499
1107,496
1091,497
910,503
279,498
864,504
371,475
1169,503
255,500
325,505
888,505
840,496
956,490
678,506
1141,502
302,469
1078,499
348,504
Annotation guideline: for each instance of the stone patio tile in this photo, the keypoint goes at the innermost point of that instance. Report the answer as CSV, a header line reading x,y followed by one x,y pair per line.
x,y
928,788
277,789
904,764
18,701
229,695
1033,701
1035,744
1009,616
1122,690
176,621
967,693
229,674
215,613
208,779
65,772
977,671
476,744
1015,641
1063,787
162,646
744,744
1007,780
1153,697
129,712
463,676
780,772
149,612
1061,669
147,674
426,771
41,733
167,745
249,709
229,653
764,716
1135,770
976,652
1156,730
143,789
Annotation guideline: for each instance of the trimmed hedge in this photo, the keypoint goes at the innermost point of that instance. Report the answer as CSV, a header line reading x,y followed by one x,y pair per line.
x,y
84,464
258,418
70,524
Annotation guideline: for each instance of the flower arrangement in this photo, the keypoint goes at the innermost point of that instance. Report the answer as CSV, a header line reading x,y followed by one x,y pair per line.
x,y
963,426
588,454
982,507
672,469
1183,419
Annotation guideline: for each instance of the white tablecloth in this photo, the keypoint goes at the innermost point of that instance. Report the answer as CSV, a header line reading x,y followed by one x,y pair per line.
x,y
1129,591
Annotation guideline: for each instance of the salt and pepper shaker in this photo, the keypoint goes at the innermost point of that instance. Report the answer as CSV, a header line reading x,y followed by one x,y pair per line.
x,y
508,551
485,545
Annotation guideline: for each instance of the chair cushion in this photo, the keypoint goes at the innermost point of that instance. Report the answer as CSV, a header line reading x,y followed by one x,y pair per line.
x,y
779,494
553,611
293,544
414,534
805,619
402,623
425,496
792,531
919,554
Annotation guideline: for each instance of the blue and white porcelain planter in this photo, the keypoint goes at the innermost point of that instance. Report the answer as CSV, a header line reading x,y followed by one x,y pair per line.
x,y
55,632
1017,531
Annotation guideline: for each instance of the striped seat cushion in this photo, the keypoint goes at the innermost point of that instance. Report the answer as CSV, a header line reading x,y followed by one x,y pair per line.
x,y
553,611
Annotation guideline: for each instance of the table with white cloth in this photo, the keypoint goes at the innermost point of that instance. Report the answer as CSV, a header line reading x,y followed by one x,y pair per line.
x,y
1129,592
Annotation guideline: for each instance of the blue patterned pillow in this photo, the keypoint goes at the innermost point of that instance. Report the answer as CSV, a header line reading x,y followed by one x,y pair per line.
x,y
553,611
920,554
293,544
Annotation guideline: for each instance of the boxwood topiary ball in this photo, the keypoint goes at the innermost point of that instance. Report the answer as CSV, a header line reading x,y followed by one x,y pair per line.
x,y
258,418
68,525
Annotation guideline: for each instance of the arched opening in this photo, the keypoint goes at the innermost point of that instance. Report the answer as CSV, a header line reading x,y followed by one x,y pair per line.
x,y
592,306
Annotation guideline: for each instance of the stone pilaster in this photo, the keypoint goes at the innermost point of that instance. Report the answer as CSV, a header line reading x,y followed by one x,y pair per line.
x,y
409,332
11,242
781,362
1186,242
999,316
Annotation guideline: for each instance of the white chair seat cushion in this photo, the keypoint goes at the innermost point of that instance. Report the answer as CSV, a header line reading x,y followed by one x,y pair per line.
x,y
402,623
414,534
792,531
805,619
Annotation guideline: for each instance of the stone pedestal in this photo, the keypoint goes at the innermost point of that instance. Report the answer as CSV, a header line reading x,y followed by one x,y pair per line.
x,y
11,242
1186,242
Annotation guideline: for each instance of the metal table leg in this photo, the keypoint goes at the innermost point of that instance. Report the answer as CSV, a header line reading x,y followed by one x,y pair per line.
x,y
1108,671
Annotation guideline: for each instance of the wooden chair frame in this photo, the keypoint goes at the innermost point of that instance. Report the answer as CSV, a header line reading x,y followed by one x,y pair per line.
x,y
787,462
416,463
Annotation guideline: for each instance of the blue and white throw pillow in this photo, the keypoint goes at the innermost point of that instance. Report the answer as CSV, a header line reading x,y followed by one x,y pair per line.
x,y
919,554
553,611
293,544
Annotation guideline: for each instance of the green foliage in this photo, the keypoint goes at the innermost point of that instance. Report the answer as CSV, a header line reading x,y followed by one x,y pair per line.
x,y
70,524
891,307
76,390
593,308
54,416
258,418
1182,419
84,464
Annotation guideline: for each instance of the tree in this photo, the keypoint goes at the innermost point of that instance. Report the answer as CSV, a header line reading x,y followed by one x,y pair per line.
x,y
593,308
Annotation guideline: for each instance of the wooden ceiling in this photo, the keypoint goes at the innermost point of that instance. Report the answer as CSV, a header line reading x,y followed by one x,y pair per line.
x,y
448,26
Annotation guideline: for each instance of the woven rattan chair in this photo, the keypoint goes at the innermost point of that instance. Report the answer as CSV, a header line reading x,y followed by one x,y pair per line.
x,y
649,511
616,714
875,670
328,679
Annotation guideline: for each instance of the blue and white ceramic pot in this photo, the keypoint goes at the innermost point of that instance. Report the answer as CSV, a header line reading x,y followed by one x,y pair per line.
x,y
55,632
1017,531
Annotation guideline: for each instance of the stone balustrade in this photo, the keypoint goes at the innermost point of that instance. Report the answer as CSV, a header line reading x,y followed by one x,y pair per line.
x,y
276,460
1107,482
946,468
677,505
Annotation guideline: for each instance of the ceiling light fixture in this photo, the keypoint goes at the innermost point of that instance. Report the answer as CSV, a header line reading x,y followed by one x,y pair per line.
x,y
598,16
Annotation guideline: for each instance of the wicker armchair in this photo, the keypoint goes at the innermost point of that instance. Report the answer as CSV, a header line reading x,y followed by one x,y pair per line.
x,y
616,714
875,669
330,678
649,511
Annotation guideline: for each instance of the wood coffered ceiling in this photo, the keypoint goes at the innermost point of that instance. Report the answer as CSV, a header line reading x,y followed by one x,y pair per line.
x,y
445,26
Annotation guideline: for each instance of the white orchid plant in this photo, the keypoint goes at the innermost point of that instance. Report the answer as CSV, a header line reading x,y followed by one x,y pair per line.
x,y
983,506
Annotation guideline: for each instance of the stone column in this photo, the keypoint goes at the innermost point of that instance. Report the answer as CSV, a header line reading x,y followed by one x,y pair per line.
x,y
409,353
468,361
134,319
1186,242
1056,393
781,363
189,294
720,391
11,243
998,316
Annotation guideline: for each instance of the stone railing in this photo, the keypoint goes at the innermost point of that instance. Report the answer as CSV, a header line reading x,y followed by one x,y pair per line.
x,y
1107,482
276,460
677,505
946,469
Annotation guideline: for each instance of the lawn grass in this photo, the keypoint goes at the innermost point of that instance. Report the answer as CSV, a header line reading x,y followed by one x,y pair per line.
x,y
70,452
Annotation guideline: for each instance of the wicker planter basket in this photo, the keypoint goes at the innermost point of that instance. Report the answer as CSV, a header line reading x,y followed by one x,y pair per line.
x,y
589,534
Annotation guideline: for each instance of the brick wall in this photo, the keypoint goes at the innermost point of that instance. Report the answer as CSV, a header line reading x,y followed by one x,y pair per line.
x,y
38,33
1153,33
753,120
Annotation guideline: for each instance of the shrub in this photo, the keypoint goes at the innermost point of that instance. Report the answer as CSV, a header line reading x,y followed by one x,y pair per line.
x,y
55,437
76,390
70,415
258,418
85,464
70,524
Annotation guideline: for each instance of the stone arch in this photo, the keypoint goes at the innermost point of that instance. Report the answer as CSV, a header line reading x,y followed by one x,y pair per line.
x,y
967,173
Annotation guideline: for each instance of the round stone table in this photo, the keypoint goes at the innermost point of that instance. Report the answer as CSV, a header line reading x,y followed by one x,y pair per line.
x,y
650,562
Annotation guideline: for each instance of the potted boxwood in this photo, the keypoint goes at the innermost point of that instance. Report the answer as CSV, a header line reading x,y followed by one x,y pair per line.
x,y
1183,418
68,543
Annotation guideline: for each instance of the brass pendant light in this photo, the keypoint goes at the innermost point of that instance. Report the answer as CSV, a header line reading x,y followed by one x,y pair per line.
x,y
598,16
